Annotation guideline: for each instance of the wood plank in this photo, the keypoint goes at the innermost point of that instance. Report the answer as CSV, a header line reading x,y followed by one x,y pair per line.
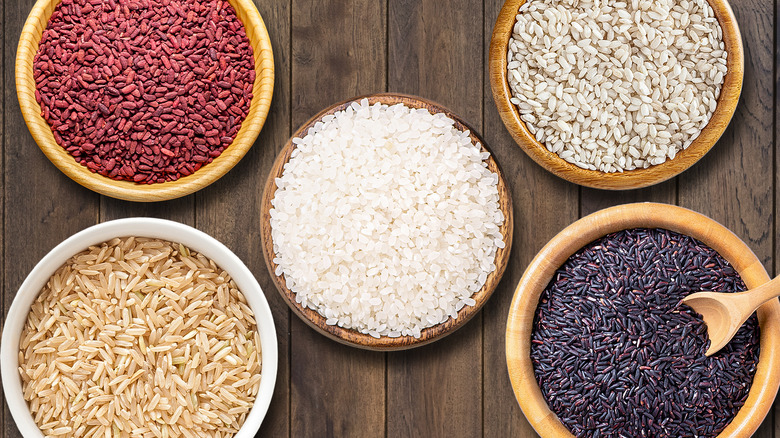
x,y
44,206
592,200
3,143
543,205
776,228
775,268
179,210
226,209
338,51
733,182
435,50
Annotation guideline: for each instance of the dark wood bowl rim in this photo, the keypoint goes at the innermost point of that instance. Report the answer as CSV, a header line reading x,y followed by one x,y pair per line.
x,y
353,337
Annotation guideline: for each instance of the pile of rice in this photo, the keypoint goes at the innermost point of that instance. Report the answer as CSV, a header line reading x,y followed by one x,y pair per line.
x,y
140,337
616,85
386,219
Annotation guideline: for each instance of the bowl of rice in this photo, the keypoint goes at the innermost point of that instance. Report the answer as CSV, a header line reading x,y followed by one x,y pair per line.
x,y
150,121
139,327
598,343
386,222
620,94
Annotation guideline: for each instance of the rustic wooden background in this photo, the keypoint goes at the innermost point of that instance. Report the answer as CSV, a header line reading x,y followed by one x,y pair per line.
x,y
326,51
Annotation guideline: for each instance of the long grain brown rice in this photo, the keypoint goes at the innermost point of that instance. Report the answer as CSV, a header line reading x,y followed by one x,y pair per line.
x,y
140,337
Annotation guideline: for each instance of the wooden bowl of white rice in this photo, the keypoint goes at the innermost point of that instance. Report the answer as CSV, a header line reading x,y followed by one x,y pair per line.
x,y
616,94
386,222
139,327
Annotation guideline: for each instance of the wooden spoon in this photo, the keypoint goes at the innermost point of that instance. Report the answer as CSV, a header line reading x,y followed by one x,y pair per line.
x,y
724,313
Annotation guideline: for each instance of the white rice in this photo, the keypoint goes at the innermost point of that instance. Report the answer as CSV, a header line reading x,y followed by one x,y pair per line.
x,y
616,85
386,219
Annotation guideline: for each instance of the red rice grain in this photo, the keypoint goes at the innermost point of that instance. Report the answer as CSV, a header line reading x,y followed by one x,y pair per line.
x,y
144,90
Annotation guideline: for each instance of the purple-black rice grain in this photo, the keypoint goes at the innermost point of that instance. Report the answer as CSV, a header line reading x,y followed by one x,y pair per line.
x,y
616,354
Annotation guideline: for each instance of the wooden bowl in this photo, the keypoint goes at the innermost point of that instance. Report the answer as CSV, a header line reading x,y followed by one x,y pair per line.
x,y
630,179
647,215
250,128
353,337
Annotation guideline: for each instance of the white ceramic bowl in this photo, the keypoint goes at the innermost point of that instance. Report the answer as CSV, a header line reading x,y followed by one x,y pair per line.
x,y
141,227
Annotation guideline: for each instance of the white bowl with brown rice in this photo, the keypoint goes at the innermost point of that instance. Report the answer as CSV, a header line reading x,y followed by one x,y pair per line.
x,y
184,371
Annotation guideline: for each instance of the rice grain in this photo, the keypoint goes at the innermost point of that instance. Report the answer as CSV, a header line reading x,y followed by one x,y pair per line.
x,y
614,85
386,219
124,358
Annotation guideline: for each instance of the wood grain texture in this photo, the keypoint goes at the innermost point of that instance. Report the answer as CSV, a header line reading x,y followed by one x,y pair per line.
x,y
775,268
4,146
353,337
733,183
327,51
592,200
631,179
435,51
336,391
41,132
338,51
545,204
645,215
179,210
236,223
45,206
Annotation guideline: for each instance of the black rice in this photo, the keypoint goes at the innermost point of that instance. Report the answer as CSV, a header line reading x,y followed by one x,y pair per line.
x,y
616,354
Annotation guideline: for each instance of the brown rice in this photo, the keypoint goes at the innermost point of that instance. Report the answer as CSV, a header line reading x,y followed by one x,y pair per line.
x,y
140,337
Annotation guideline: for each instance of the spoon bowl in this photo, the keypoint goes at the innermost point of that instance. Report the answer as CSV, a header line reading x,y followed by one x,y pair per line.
x,y
724,313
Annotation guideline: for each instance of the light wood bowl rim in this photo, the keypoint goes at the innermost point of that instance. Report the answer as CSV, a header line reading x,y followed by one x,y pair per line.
x,y
353,337
126,190
631,179
591,227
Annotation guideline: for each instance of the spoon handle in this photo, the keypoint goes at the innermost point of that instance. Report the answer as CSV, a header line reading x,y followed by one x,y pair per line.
x,y
763,293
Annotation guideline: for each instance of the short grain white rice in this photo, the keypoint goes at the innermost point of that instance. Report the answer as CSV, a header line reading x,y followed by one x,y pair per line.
x,y
130,339
616,85
386,219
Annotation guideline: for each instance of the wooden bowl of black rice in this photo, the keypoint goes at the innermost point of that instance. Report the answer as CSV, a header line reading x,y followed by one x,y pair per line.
x,y
598,343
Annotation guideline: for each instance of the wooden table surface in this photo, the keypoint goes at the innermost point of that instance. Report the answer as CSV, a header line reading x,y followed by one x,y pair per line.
x,y
326,51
